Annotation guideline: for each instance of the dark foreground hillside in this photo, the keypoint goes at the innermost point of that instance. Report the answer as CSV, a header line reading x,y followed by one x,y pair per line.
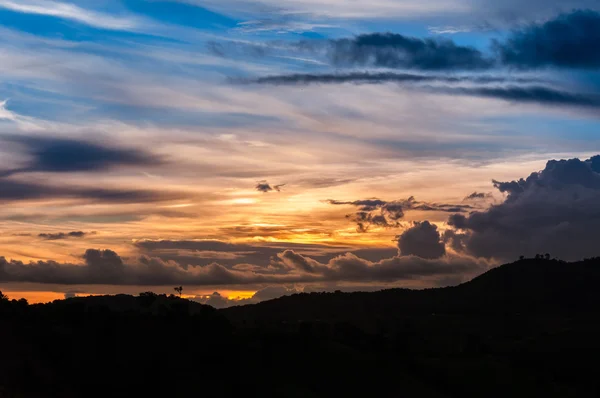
x,y
526,329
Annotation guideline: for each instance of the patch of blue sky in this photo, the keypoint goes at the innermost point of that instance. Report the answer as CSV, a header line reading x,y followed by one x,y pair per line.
x,y
80,110
181,14
66,29
548,127
26,100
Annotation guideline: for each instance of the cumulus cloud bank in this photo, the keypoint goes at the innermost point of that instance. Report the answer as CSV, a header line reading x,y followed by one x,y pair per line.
x,y
107,267
422,240
556,210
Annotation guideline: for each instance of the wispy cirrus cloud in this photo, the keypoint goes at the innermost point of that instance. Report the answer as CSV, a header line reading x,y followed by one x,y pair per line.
x,y
73,12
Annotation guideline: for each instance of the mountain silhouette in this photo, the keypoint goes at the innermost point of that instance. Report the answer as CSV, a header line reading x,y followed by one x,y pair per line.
x,y
524,329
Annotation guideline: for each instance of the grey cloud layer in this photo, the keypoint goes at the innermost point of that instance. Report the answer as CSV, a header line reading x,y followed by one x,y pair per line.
x,y
14,191
107,267
247,256
60,155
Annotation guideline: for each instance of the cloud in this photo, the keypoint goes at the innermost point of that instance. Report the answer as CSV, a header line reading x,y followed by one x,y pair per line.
x,y
391,50
71,12
336,9
62,235
105,267
61,155
6,114
556,210
256,256
15,191
422,240
379,78
384,214
478,196
526,94
512,89
350,268
471,12
570,40
264,186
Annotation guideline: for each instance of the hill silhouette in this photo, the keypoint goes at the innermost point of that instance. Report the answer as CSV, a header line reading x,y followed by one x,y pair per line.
x,y
524,329
528,286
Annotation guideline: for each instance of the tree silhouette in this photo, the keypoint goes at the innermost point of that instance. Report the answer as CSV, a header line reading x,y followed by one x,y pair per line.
x,y
179,290
521,258
3,297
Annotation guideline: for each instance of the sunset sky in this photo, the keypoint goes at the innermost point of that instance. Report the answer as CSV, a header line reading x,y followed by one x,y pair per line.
x,y
247,149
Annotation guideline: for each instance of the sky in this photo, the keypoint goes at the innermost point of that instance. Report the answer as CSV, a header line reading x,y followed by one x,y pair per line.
x,y
249,149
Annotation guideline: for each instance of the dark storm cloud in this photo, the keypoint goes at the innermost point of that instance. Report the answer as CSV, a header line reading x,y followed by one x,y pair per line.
x,y
390,50
380,213
60,155
570,41
422,240
556,210
264,186
63,235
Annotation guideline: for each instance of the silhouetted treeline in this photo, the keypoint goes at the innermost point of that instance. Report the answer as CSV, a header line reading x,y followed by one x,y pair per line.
x,y
526,329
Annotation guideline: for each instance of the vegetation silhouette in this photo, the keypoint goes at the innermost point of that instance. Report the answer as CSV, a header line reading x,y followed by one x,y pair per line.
x,y
179,290
525,329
